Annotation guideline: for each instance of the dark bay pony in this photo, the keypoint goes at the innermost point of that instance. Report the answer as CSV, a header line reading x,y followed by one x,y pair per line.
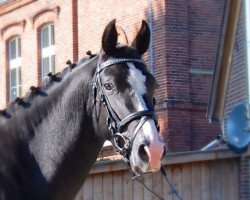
x,y
50,139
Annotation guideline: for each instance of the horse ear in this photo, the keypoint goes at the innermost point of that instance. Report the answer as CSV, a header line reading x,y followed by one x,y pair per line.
x,y
109,38
142,39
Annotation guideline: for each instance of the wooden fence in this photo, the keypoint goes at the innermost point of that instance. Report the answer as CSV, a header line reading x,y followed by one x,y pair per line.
x,y
211,175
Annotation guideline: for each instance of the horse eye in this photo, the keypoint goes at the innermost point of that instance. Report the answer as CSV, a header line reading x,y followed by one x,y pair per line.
x,y
108,86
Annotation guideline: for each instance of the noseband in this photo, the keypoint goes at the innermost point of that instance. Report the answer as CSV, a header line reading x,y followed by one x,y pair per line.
x,y
115,124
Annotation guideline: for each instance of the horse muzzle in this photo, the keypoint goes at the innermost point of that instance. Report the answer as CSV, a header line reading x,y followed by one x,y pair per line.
x,y
148,158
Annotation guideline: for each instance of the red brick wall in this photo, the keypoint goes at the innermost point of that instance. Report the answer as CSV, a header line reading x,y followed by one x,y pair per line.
x,y
192,35
94,16
185,37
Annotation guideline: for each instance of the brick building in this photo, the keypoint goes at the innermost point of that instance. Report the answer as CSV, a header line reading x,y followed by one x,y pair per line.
x,y
38,36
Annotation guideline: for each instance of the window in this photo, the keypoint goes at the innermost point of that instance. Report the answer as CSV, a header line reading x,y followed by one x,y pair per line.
x,y
14,47
47,50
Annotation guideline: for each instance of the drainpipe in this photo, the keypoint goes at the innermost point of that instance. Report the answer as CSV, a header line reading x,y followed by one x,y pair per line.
x,y
247,26
151,44
247,21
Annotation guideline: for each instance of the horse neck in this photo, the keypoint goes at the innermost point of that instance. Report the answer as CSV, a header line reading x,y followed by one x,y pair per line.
x,y
61,134
65,144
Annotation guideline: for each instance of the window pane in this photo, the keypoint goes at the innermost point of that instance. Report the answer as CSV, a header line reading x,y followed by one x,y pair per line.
x,y
52,35
19,90
45,37
48,50
52,67
19,76
14,67
19,47
12,49
13,81
13,93
45,66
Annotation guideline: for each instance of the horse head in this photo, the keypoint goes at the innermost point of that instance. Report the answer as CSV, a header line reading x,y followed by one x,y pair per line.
x,y
126,90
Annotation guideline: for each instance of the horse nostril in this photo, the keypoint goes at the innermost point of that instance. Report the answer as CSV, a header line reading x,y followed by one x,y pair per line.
x,y
143,154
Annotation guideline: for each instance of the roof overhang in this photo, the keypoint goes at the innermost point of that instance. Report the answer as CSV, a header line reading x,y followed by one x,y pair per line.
x,y
223,62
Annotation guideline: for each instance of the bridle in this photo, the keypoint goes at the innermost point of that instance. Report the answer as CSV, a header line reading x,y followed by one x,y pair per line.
x,y
114,123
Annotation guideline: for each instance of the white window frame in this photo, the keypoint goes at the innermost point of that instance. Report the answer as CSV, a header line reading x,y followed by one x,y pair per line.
x,y
15,64
48,51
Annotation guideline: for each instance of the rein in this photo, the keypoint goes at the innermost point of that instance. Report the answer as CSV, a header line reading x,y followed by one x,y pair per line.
x,y
115,124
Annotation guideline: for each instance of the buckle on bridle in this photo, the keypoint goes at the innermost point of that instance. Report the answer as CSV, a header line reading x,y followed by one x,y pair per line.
x,y
121,143
110,126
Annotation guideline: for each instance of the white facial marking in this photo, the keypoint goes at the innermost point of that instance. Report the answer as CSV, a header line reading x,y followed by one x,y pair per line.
x,y
155,150
138,82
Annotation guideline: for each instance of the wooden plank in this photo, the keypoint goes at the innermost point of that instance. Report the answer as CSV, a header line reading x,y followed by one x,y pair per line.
x,y
107,186
177,181
117,185
233,179
186,182
157,185
79,195
87,189
127,186
205,181
224,176
148,182
196,180
166,190
215,180
138,190
97,187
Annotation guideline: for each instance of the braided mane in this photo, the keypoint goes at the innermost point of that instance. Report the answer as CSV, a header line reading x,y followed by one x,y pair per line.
x,y
47,83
